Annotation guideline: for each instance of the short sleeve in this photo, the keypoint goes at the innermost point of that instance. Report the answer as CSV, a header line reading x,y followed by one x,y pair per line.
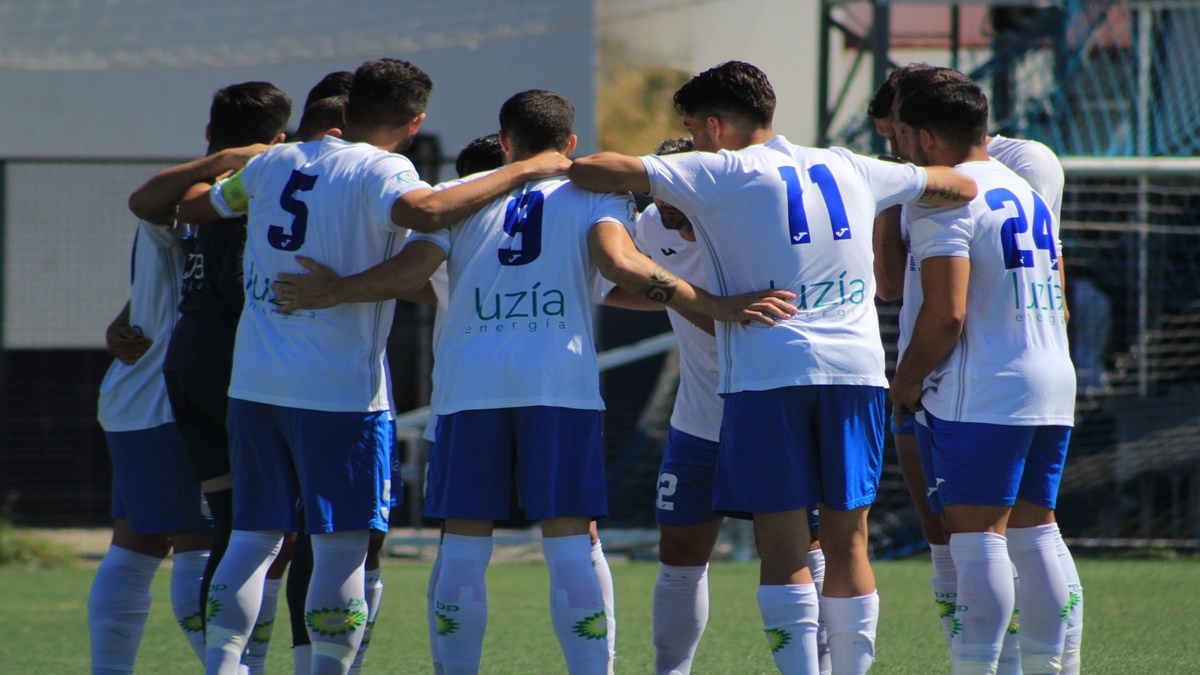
x,y
159,235
615,208
388,179
687,181
441,238
890,183
941,232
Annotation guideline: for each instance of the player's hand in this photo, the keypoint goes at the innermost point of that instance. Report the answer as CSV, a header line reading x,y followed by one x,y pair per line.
x,y
543,165
126,343
906,397
316,289
759,306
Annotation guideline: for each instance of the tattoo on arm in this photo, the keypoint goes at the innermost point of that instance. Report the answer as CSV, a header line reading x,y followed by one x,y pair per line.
x,y
662,285
939,191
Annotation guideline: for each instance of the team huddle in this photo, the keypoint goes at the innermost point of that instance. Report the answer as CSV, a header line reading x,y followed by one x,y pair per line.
x,y
253,351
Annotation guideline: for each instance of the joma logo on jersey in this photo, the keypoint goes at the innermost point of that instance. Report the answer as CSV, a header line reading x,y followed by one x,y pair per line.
x,y
520,304
832,293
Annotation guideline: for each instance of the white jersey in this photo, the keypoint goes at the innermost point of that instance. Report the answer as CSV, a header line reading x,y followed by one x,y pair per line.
x,y
781,216
1030,160
1011,364
331,201
518,329
698,408
1037,164
135,397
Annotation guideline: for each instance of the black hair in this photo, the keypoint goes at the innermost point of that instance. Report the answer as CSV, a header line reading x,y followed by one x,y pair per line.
x,y
321,115
537,120
337,83
674,146
734,91
482,154
956,111
247,113
917,75
387,93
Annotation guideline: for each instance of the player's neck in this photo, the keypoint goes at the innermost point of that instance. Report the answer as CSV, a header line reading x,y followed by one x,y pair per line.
x,y
385,138
737,140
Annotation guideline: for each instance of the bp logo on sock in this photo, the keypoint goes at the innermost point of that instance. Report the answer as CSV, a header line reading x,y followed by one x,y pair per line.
x,y
1073,600
213,607
192,624
1014,624
333,621
262,632
594,627
367,632
777,639
445,624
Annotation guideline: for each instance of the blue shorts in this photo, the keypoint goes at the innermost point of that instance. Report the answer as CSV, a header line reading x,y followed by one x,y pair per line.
x,y
906,427
785,449
685,481
555,456
337,465
991,464
153,485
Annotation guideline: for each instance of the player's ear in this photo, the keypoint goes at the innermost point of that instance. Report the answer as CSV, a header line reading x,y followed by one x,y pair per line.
x,y
571,144
279,138
208,133
415,125
335,132
505,144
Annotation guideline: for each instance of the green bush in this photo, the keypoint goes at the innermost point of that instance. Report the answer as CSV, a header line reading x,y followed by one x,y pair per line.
x,y
21,548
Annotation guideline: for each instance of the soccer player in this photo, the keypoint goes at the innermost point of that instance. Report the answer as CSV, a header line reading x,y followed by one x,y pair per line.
x,y
688,527
1039,167
156,501
200,355
516,381
991,373
308,402
804,400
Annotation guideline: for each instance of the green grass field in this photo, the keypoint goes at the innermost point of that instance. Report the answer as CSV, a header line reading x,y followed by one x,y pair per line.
x,y
1142,616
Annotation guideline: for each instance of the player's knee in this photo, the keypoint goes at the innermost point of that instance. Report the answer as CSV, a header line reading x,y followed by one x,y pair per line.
x,y
682,551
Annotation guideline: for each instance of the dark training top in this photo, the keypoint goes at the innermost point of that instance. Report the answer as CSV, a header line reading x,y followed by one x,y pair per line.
x,y
213,296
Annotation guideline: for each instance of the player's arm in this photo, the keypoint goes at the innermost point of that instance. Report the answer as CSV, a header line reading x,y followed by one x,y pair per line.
x,y
427,211
1062,281
890,255
610,172
125,342
425,295
320,288
156,200
619,297
619,261
947,187
938,326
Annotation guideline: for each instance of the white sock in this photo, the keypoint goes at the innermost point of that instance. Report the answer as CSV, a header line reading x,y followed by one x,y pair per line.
x,y
461,607
945,590
303,656
1043,597
118,607
790,614
852,623
186,571
431,614
576,604
680,615
1071,653
260,637
1010,648
373,588
985,600
235,596
335,609
604,578
816,566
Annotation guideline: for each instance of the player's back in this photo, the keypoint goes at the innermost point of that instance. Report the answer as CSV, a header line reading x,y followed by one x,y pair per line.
x,y
518,328
1011,364
781,216
331,201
